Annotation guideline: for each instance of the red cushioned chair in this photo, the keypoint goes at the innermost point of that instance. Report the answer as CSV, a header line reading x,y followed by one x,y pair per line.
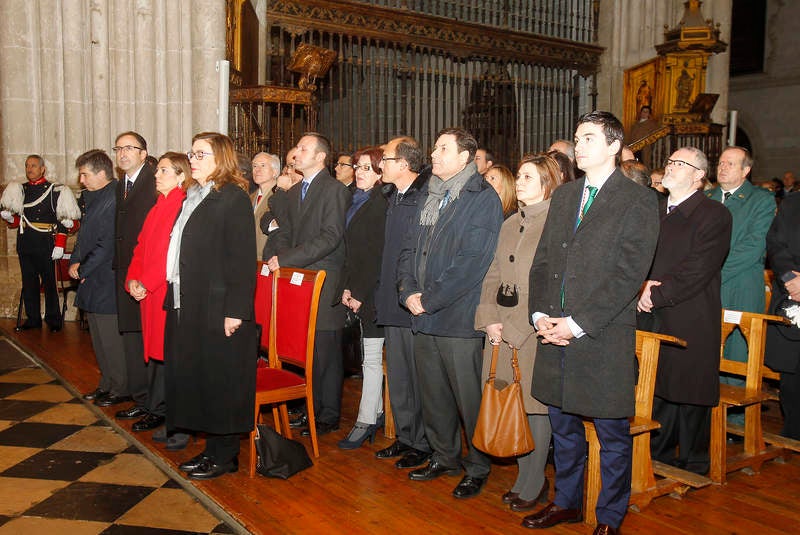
x,y
263,309
295,300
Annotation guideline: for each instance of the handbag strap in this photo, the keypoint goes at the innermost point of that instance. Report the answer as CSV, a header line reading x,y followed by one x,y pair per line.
x,y
515,366
493,367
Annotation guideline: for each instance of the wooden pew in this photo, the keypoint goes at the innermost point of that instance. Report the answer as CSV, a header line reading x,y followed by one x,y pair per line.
x,y
644,485
750,396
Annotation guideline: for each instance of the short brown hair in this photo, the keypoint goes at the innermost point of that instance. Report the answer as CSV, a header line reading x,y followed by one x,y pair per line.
x,y
549,171
227,169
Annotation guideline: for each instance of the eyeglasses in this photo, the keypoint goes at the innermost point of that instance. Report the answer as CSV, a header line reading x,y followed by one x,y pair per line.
x,y
680,164
343,164
365,167
385,159
126,148
199,155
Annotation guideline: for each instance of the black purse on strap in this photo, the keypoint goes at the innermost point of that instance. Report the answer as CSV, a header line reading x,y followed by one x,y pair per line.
x,y
507,295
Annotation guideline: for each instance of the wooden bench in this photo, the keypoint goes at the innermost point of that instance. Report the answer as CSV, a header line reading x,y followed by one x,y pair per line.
x,y
756,451
644,485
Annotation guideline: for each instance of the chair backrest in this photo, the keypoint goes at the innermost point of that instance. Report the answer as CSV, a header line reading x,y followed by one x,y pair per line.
x,y
648,347
753,327
295,301
263,303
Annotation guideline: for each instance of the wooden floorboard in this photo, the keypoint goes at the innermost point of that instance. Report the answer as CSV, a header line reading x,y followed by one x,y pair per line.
x,y
352,492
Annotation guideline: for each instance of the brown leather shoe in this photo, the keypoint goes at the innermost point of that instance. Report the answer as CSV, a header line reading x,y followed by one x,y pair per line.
x,y
520,505
550,516
509,497
605,529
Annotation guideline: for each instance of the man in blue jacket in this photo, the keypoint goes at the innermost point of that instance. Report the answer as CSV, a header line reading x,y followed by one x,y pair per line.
x,y
445,257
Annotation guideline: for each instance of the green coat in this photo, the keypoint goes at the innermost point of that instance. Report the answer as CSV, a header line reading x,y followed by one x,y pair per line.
x,y
752,209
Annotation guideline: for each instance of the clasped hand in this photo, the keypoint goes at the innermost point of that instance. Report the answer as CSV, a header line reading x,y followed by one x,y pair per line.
x,y
554,331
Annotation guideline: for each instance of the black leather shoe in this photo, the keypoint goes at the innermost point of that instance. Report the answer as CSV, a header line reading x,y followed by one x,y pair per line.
x,y
469,487
509,497
395,450
412,459
297,423
132,413
150,421
605,529
96,394
518,504
551,516
208,469
111,399
433,470
322,429
54,328
27,326
193,463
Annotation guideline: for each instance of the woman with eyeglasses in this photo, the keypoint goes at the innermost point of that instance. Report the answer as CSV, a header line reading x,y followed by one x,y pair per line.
x,y
363,240
501,179
146,280
503,314
211,340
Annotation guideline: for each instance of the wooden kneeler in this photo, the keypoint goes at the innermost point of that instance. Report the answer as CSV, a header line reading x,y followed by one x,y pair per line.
x,y
644,485
756,448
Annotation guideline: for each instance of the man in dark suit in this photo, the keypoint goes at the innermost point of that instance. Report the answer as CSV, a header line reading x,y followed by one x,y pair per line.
x,y
595,251
682,298
783,341
311,236
136,195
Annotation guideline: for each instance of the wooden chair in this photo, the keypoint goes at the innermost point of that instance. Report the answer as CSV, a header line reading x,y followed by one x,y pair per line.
x,y
644,486
263,307
753,327
295,300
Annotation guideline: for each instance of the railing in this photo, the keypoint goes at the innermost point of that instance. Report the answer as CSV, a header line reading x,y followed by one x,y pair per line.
x,y
663,142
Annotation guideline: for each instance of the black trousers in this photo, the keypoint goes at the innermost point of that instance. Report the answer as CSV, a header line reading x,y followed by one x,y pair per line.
x,y
328,374
790,403
404,395
222,448
685,427
156,403
38,272
136,367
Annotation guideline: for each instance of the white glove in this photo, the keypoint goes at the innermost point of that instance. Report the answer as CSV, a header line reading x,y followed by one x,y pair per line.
x,y
58,253
67,223
8,216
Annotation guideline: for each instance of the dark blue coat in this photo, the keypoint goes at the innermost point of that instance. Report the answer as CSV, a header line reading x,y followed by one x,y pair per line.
x,y
94,251
460,251
399,218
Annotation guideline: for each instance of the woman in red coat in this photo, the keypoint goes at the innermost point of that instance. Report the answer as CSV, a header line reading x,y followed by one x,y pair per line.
x,y
147,274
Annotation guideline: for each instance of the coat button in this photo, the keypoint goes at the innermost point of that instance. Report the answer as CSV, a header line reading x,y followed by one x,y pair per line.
x,y
564,245
424,253
511,258
555,275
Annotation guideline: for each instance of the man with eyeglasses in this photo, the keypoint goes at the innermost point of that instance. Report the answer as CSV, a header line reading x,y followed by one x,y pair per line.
x,y
752,209
682,298
136,195
344,171
311,236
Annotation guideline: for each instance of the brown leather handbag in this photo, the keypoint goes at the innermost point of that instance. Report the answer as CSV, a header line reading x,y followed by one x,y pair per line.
x,y
502,429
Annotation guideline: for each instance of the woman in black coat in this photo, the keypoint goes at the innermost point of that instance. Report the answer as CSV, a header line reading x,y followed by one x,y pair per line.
x,y
363,240
211,340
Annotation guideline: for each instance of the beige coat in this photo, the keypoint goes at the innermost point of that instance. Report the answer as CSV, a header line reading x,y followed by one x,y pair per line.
x,y
258,211
517,330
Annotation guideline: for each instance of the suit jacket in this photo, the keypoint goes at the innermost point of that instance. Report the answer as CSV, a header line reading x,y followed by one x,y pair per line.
x,y
752,209
363,240
312,237
692,246
783,247
601,264
131,213
258,213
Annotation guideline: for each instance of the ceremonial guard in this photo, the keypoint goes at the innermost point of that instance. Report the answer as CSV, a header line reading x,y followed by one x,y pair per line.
x,y
44,212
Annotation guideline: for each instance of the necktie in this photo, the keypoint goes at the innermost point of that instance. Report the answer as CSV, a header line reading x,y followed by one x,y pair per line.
x,y
128,187
258,200
445,200
726,196
589,201
670,208
303,191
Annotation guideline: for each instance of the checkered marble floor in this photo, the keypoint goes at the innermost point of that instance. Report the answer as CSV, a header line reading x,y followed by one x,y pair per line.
x,y
63,470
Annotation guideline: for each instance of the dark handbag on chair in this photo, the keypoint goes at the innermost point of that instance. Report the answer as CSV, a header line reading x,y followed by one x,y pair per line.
x,y
502,429
279,456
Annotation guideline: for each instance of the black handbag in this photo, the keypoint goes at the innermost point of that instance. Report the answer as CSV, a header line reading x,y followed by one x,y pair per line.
x,y
507,295
352,344
279,456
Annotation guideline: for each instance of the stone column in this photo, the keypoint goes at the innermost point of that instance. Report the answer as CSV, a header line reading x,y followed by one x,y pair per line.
x,y
208,46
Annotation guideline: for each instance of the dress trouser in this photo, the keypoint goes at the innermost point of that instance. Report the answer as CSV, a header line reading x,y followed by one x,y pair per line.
x,y
569,454
404,395
685,427
449,374
222,448
371,404
530,478
790,403
32,268
136,367
107,344
156,403
328,374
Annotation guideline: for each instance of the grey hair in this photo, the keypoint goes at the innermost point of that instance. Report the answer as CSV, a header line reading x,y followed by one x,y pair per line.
x,y
274,161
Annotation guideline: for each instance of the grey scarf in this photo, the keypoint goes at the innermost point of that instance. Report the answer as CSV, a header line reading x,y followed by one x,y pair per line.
x,y
438,188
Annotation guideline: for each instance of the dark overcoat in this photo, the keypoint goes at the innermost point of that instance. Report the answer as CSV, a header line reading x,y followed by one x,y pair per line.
x,y
131,213
602,263
692,246
783,249
311,236
363,241
211,377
